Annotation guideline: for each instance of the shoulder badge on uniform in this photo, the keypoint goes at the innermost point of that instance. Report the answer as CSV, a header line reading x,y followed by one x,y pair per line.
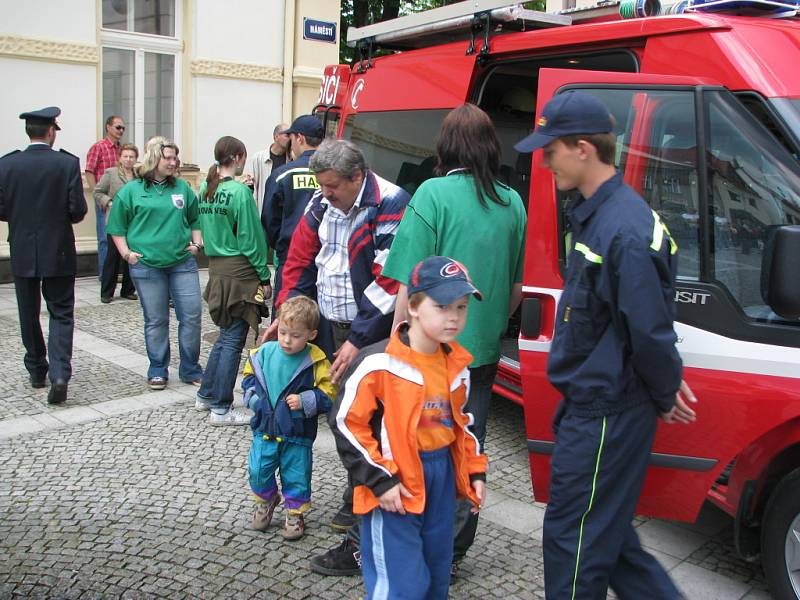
x,y
10,153
68,153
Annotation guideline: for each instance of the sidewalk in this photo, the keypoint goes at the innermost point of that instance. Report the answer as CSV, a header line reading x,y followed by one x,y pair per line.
x,y
123,492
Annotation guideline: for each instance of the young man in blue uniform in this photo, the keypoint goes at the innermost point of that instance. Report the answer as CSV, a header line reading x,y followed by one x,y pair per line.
x,y
613,358
289,188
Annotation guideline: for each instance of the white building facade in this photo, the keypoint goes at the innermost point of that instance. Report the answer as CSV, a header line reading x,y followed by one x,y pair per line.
x,y
192,70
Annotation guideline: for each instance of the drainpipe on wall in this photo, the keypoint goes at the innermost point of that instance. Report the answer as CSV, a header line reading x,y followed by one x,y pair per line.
x,y
288,58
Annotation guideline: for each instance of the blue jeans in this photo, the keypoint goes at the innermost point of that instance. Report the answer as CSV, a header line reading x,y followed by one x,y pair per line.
x,y
223,366
156,286
102,243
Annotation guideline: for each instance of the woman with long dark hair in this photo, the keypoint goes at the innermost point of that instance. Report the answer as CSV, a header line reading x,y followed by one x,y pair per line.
x,y
238,276
468,214
154,223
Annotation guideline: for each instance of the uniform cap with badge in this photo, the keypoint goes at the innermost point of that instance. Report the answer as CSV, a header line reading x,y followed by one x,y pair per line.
x,y
570,113
43,116
307,125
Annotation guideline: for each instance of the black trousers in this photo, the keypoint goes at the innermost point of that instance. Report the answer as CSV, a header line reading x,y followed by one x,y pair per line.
x,y
59,295
110,271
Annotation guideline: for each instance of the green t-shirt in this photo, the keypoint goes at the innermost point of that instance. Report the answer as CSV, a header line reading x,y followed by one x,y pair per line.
x,y
445,218
156,221
231,225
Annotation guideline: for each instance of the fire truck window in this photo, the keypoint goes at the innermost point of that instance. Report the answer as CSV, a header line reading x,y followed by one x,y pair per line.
x,y
398,145
755,187
657,154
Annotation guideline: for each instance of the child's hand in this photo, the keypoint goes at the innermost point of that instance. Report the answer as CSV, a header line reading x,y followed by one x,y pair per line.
x,y
480,491
392,499
293,400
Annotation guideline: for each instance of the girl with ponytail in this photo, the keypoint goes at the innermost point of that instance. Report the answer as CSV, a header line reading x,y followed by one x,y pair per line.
x,y
238,276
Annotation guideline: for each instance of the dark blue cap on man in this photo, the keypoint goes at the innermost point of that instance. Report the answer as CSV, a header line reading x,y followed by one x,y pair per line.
x,y
443,279
45,116
570,113
308,125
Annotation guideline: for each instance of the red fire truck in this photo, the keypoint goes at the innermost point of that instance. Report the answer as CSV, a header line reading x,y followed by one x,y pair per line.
x,y
708,132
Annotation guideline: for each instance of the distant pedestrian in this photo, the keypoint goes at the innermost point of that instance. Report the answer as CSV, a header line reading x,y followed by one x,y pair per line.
x,y
287,384
265,162
155,224
613,358
110,183
402,435
101,156
238,276
289,189
41,196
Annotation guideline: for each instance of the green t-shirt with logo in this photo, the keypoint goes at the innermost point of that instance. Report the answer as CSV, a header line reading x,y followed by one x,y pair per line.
x,y
445,218
231,225
156,221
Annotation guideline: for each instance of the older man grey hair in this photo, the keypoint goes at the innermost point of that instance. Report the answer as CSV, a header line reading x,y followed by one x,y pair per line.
x,y
341,156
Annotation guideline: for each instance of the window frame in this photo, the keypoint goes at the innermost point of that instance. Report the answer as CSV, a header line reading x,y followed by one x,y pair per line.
x,y
140,44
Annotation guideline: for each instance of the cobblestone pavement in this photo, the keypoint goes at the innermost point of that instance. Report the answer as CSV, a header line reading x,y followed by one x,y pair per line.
x,y
128,493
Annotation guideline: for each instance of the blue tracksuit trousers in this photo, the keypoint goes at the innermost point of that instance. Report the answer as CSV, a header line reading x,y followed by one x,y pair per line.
x,y
598,468
408,556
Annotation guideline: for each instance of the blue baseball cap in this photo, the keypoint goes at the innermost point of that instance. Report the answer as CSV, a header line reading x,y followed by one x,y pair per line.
x,y
308,125
443,279
570,113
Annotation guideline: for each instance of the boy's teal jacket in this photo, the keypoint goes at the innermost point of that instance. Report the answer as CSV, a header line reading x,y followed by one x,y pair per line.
x,y
311,381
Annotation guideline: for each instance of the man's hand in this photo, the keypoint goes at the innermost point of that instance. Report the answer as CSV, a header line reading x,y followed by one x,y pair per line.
x,y
681,413
344,357
480,491
132,258
270,333
267,291
293,400
392,499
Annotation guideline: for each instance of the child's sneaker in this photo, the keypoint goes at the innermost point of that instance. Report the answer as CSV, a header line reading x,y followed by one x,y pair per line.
x,y
234,416
263,514
294,527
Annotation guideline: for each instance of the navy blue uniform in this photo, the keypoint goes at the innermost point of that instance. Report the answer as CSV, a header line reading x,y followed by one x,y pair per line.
x,y
614,360
41,196
288,192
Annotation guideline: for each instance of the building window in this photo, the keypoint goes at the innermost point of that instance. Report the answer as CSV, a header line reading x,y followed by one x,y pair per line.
x,y
156,17
141,67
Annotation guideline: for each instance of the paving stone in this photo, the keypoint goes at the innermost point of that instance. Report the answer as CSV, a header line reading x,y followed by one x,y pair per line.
x,y
147,501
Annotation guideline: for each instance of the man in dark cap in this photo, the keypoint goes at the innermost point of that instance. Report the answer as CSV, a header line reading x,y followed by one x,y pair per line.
x,y
289,189
613,358
41,196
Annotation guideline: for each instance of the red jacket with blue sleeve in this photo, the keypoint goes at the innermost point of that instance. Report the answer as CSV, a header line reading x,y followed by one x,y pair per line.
x,y
380,211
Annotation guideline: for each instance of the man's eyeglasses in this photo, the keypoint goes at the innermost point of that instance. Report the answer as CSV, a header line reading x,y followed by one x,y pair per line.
x,y
119,127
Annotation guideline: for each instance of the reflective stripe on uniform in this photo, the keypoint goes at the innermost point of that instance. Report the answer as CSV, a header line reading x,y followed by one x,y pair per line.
x,y
293,170
588,509
659,229
588,254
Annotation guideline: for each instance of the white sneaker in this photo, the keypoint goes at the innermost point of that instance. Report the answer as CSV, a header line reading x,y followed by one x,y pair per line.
x,y
200,405
234,416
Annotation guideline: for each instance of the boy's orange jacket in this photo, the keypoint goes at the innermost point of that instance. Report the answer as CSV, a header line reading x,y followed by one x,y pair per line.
x,y
375,420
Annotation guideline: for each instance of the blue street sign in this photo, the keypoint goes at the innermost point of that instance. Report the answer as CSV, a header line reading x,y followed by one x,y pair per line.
x,y
322,31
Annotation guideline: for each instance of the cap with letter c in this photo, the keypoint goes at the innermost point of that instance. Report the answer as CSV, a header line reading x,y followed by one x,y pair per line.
x,y
443,279
570,113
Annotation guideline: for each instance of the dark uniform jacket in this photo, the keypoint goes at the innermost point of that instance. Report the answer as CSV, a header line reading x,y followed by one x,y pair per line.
x,y
614,343
289,189
41,196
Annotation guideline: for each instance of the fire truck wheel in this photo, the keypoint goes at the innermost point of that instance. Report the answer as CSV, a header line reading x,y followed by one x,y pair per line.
x,y
780,539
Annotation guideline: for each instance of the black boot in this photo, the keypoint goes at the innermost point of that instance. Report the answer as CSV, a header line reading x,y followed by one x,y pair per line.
x,y
343,560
